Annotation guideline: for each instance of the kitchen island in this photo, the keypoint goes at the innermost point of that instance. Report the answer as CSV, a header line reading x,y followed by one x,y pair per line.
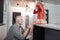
x,y
46,32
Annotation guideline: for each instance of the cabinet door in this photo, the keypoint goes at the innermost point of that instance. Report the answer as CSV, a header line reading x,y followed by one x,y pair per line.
x,y
38,33
1,11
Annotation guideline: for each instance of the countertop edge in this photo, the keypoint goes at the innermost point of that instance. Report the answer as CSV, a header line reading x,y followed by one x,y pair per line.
x,y
51,26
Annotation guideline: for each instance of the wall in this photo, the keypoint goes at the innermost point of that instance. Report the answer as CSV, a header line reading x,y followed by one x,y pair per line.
x,y
23,13
3,28
54,13
57,11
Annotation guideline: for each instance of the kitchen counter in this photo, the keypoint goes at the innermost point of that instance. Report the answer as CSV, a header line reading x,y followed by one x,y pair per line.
x,y
51,26
46,32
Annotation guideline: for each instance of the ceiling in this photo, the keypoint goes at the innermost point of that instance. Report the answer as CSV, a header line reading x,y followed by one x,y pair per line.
x,y
23,3
52,1
48,1
22,0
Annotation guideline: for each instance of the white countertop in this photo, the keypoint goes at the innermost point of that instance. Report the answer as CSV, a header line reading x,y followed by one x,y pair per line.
x,y
52,26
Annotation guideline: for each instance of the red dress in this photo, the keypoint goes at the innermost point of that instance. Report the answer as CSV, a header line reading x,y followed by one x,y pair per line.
x,y
40,12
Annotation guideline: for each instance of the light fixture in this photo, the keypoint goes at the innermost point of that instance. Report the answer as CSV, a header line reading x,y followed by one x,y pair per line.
x,y
17,4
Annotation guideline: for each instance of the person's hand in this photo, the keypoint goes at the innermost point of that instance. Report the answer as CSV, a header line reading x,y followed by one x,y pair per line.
x,y
36,8
29,26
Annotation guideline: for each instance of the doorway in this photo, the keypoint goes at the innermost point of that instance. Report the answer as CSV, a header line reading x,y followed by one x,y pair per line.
x,y
14,16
